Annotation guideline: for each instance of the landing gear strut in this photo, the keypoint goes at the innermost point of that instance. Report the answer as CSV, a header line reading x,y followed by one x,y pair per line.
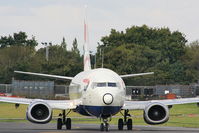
x,y
63,121
105,125
127,122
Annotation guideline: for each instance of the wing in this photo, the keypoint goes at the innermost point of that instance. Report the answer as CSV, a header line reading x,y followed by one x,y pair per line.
x,y
135,105
16,100
45,75
54,104
134,75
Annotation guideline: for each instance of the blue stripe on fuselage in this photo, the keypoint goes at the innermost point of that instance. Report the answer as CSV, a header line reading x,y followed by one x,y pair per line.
x,y
99,111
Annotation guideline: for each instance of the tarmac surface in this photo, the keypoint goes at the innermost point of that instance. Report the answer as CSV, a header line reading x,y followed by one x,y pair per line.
x,y
26,127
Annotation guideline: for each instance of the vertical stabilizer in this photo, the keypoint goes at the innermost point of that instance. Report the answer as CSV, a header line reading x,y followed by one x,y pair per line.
x,y
87,62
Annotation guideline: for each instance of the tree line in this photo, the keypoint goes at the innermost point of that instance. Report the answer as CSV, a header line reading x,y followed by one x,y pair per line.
x,y
21,54
144,49
135,50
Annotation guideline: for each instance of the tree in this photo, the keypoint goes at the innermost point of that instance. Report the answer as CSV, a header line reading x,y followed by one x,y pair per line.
x,y
63,44
191,61
130,58
61,62
18,39
18,54
142,49
171,44
14,58
75,46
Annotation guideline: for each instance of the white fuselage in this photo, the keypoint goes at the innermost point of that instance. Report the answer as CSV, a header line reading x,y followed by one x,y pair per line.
x,y
102,92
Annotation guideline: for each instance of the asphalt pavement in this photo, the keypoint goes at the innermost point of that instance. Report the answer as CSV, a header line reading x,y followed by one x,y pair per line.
x,y
26,127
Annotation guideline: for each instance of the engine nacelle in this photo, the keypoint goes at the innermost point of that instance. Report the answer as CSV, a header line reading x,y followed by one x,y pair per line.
x,y
156,113
39,112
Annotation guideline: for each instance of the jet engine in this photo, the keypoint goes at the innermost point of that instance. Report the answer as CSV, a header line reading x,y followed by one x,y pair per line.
x,y
39,112
156,113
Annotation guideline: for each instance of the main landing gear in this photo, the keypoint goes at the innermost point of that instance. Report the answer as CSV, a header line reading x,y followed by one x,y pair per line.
x,y
63,121
127,122
105,125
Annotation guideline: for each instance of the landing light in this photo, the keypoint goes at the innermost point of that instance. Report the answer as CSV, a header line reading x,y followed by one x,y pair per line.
x,y
107,98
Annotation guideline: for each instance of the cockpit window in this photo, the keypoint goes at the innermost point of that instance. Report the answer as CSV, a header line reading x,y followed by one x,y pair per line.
x,y
112,84
104,84
101,84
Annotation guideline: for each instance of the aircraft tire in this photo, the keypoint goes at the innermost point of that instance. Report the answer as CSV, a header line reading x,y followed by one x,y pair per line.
x,y
68,123
102,127
120,124
106,127
59,124
129,124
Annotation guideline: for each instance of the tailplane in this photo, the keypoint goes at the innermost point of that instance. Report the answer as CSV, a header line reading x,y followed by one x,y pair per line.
x,y
87,62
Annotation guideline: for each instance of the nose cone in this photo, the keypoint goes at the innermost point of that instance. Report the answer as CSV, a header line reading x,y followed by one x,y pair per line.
x,y
107,98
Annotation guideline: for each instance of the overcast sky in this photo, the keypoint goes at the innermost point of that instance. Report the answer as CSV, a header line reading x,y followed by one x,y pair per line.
x,y
51,20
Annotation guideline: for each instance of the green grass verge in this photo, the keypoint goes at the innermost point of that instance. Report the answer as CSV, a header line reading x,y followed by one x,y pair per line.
x,y
186,115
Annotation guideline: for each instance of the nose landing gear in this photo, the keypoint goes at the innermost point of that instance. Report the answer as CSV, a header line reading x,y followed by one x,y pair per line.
x,y
128,123
104,126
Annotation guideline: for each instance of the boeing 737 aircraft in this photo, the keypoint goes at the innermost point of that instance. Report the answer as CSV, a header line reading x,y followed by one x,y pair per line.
x,y
96,92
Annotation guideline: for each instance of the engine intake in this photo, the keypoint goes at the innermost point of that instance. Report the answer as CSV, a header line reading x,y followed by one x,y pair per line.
x,y
156,113
39,112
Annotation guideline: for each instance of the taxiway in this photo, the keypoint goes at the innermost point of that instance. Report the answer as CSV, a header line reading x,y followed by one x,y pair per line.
x,y
26,127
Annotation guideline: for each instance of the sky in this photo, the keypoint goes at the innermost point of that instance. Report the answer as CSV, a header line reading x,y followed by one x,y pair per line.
x,y
51,20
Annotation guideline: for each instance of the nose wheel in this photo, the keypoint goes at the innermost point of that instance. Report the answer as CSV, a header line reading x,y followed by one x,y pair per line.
x,y
104,126
125,122
63,121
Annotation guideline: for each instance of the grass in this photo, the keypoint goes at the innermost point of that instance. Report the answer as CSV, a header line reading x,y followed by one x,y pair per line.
x,y
186,115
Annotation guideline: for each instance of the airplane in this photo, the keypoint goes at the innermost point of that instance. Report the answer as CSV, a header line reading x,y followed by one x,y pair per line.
x,y
96,92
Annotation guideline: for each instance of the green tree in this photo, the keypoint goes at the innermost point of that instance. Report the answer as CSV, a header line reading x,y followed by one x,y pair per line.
x,y
63,43
75,46
191,61
61,62
142,49
130,58
18,39
19,55
14,58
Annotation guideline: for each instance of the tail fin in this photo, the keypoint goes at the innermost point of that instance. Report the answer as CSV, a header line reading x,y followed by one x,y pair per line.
x,y
87,63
